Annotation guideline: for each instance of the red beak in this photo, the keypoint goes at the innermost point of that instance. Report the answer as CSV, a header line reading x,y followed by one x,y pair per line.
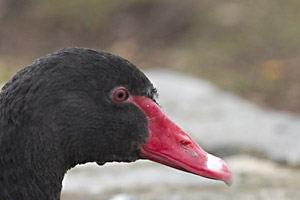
x,y
169,145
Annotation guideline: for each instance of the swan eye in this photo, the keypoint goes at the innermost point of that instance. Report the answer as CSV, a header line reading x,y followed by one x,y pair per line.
x,y
120,95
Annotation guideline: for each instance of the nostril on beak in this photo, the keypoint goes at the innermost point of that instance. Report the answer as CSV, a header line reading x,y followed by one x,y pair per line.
x,y
185,143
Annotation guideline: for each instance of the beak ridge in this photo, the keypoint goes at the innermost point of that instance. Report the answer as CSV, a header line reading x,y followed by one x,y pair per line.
x,y
169,145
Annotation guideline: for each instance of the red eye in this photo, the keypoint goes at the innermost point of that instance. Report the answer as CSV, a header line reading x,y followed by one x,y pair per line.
x,y
120,95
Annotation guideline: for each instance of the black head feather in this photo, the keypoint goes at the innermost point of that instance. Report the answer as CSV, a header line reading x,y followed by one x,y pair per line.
x,y
59,112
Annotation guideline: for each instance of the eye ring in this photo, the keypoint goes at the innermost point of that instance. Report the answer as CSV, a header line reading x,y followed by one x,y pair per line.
x,y
120,95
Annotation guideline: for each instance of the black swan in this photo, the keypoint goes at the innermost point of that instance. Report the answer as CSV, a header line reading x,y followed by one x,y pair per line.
x,y
80,105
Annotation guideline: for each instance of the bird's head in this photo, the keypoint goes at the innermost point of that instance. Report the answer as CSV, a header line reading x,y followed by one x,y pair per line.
x,y
101,108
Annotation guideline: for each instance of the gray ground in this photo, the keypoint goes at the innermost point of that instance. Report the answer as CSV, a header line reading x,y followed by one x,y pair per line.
x,y
253,179
225,124
262,148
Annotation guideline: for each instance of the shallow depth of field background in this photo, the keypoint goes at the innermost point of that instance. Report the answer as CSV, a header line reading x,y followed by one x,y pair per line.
x,y
248,48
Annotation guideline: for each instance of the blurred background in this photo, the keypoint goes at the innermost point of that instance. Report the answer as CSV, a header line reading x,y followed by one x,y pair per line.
x,y
248,49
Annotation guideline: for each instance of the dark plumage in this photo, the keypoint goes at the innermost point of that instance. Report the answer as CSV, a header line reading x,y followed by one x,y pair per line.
x,y
60,111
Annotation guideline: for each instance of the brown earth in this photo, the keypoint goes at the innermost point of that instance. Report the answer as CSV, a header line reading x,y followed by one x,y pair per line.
x,y
250,48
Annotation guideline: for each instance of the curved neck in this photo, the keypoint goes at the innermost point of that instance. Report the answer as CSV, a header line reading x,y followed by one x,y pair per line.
x,y
34,171
29,184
